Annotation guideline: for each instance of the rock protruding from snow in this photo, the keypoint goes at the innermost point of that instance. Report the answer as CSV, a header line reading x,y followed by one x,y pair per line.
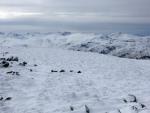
x,y
131,106
130,98
4,64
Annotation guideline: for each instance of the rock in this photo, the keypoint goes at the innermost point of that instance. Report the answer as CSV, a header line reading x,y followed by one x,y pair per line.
x,y
87,110
16,59
62,71
124,100
142,105
13,59
9,72
13,73
79,72
145,57
71,70
119,111
130,98
66,33
53,71
8,98
4,64
23,63
17,73
1,98
35,65
84,46
8,59
134,108
2,58
71,108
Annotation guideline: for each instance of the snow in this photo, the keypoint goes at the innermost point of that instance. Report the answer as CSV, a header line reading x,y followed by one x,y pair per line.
x,y
104,83
115,44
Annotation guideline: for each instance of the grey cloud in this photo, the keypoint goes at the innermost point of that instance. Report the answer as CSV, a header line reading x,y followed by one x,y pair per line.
x,y
76,14
128,7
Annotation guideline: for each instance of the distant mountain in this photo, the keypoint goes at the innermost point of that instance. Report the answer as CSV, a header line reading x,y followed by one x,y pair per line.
x,y
116,44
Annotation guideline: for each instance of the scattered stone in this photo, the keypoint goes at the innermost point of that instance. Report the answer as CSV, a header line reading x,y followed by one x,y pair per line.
x,y
119,111
66,33
53,71
2,58
79,72
10,59
124,100
84,46
16,59
13,73
1,98
71,108
62,71
23,63
87,110
17,73
130,98
13,59
9,72
71,70
134,108
31,70
4,64
142,105
35,65
8,98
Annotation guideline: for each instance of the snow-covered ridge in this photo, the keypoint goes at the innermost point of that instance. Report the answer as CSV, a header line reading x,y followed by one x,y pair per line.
x,y
105,84
36,76
116,44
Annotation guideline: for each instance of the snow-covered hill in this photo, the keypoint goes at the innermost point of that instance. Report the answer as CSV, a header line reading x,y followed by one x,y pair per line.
x,y
116,44
62,81
39,73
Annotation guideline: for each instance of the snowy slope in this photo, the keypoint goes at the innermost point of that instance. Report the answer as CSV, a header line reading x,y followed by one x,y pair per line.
x,y
116,44
103,85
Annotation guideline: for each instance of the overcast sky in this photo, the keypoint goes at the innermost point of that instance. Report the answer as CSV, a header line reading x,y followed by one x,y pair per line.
x,y
73,15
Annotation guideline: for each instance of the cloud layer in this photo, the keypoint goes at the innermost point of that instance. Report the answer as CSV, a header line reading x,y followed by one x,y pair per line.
x,y
66,14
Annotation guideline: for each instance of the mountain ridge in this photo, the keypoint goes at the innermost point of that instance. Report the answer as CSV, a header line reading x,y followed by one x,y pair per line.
x,y
115,44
